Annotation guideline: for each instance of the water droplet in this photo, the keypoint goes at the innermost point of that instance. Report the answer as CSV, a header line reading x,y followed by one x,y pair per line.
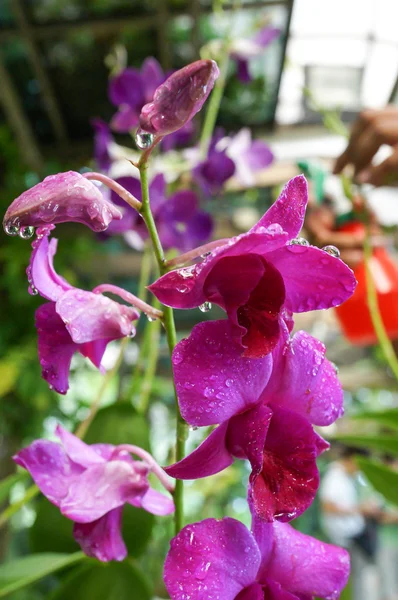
x,y
182,289
201,571
143,139
335,367
229,382
205,307
132,333
205,254
177,358
151,319
32,290
332,250
299,242
26,232
186,273
193,428
11,230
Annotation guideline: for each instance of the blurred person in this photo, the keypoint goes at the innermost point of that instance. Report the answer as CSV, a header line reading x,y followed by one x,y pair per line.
x,y
350,523
387,556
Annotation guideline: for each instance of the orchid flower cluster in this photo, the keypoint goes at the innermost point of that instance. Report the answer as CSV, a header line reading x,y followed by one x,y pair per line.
x,y
262,388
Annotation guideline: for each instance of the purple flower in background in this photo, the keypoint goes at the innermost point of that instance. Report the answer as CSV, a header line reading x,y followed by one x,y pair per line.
x,y
245,49
180,222
248,155
74,320
264,408
259,278
179,138
130,89
212,173
223,559
102,140
58,199
90,485
179,98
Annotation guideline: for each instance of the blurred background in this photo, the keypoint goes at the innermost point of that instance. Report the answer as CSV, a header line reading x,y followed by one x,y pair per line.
x,y
334,57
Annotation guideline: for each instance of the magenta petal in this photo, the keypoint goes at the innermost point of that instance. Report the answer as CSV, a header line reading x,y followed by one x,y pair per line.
x,y
126,88
304,381
247,433
211,559
157,503
253,592
179,98
124,120
102,538
60,198
50,467
41,272
289,209
56,347
213,381
102,488
152,76
89,316
304,565
313,278
289,478
212,456
79,452
276,592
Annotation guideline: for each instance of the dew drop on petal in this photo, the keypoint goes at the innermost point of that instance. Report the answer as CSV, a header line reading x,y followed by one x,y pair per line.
x,y
26,232
300,241
143,139
186,273
206,254
11,230
32,290
332,250
205,307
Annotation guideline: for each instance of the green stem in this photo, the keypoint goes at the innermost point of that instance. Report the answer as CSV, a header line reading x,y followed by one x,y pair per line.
x,y
171,335
214,104
374,310
30,493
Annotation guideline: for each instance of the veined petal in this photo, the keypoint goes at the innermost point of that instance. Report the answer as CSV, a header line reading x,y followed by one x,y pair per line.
x,y
211,559
304,565
289,478
102,539
79,452
89,316
247,433
50,467
157,503
103,487
313,278
304,381
213,381
212,456
61,198
289,209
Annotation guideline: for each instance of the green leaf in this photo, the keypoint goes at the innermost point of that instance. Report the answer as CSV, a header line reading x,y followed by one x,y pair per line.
x,y
111,581
387,418
119,424
21,572
137,525
385,444
381,477
7,483
49,520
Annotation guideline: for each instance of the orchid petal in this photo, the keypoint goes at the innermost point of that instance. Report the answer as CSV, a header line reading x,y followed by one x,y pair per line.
x,y
313,278
60,198
43,276
213,381
80,453
50,468
103,487
125,119
102,539
152,76
247,433
126,88
212,456
211,559
157,503
304,381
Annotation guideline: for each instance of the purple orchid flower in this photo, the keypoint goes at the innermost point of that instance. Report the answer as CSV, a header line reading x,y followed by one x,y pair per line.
x,y
179,98
74,320
245,49
249,156
130,89
223,559
212,173
58,199
259,278
102,140
179,138
91,484
264,408
180,222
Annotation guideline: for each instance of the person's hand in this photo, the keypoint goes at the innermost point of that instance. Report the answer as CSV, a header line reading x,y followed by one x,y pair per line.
x,y
372,129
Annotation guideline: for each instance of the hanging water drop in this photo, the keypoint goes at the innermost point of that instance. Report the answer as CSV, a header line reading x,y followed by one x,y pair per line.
x,y
300,241
26,232
205,307
335,367
11,230
143,139
151,319
332,250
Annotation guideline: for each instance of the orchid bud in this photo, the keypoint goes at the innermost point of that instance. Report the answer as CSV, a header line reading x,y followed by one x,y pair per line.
x,y
59,198
179,98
